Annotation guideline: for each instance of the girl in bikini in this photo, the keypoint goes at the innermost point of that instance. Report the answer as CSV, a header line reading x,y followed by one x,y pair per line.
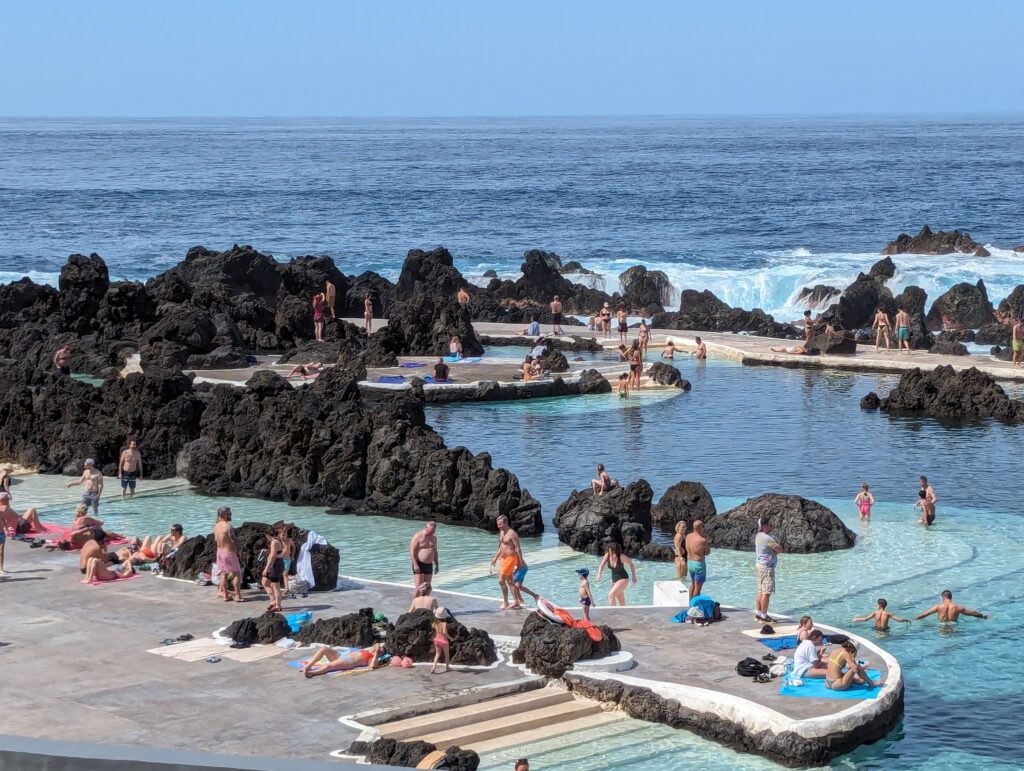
x,y
883,326
864,500
441,640
843,669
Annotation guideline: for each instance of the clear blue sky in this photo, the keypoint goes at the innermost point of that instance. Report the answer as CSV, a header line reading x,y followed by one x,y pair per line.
x,y
517,57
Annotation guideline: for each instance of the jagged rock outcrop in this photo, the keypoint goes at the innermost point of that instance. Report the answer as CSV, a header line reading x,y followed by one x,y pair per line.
x,y
963,306
858,303
943,242
817,296
589,522
883,270
412,636
354,630
381,291
541,281
955,336
1013,306
994,334
424,327
683,502
704,312
550,649
593,382
951,394
832,344
912,300
802,526
647,290
949,348
666,375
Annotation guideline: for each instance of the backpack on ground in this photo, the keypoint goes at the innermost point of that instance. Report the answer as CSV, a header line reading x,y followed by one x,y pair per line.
x,y
751,668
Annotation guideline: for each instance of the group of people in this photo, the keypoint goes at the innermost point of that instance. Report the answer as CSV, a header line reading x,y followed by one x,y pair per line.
x,y
926,500
323,309
883,326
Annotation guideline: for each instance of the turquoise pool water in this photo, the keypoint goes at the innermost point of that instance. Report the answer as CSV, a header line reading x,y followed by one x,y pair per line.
x,y
741,431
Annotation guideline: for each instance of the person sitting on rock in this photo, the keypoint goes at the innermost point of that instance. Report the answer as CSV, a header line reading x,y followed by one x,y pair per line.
x,y
603,483
529,369
341,662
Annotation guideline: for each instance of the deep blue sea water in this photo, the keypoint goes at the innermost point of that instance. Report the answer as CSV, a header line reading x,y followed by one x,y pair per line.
x,y
751,208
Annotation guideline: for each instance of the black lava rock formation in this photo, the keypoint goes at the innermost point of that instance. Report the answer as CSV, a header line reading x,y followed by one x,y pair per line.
x,y
589,522
551,649
802,526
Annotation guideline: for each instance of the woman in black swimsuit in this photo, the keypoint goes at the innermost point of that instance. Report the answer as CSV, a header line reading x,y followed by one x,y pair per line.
x,y
273,571
617,563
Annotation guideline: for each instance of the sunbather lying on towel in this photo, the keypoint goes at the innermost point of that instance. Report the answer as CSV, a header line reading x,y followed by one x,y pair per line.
x,y
339,662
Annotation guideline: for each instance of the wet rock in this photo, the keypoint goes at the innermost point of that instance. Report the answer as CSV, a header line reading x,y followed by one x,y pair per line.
x,y
704,312
648,290
883,270
593,382
963,306
354,630
870,402
912,300
817,296
955,336
589,522
489,273
856,308
951,394
666,375
412,636
802,526
553,360
994,334
1013,306
949,348
551,649
683,502
943,242
573,266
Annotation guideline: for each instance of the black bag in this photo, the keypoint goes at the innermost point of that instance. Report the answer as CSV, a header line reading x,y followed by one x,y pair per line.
x,y
243,632
750,668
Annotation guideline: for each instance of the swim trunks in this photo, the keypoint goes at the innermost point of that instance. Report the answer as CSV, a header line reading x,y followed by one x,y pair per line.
x,y
585,602
440,642
765,580
91,499
556,318
227,562
698,571
1018,345
519,575
903,333
623,326
508,566
148,553
64,371
623,394
422,568
128,479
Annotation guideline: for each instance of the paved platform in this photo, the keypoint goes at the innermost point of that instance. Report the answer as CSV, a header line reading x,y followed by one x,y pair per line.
x,y
76,657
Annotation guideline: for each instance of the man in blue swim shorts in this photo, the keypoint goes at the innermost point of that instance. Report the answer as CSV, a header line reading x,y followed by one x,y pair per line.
x,y
697,550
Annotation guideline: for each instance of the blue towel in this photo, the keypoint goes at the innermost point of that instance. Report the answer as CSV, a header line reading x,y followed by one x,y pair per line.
x,y
815,688
411,364
430,379
453,360
391,378
782,643
680,617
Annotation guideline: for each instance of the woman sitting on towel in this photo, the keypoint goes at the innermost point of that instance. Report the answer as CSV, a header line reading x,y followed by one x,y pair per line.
x,y
341,662
842,667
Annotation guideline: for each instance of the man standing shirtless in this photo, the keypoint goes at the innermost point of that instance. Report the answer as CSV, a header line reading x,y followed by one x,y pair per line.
x,y
902,331
62,359
330,293
462,296
701,352
556,317
92,480
129,467
949,612
425,559
929,493
697,550
511,555
227,555
1017,339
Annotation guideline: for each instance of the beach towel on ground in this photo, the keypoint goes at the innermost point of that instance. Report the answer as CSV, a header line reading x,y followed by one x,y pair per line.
x,y
782,643
470,360
816,688
431,379
391,378
412,364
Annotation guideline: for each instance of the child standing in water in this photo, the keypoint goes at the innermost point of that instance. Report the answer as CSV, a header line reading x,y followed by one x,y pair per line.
x,y
623,386
441,641
586,598
927,507
864,500
881,617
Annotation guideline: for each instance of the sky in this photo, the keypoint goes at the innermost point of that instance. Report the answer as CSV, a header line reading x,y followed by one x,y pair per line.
x,y
150,58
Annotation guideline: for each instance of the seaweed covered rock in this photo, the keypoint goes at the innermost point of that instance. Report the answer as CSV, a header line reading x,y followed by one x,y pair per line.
x,y
683,502
412,636
551,649
589,522
928,242
952,394
802,526
354,630
963,306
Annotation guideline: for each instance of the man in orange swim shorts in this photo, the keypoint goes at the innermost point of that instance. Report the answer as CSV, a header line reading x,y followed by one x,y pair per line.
x,y
510,557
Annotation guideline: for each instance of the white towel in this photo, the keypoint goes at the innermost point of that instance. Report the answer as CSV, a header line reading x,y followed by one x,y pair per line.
x,y
305,564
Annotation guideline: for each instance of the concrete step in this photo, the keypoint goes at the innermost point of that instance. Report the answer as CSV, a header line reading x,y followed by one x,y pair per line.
x,y
457,717
512,726
547,731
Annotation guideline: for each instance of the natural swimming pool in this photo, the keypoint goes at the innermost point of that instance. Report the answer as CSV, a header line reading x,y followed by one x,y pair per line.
x,y
742,431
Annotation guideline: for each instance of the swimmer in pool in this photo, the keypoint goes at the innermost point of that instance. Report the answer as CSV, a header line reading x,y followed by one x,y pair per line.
x,y
669,351
881,617
949,612
864,500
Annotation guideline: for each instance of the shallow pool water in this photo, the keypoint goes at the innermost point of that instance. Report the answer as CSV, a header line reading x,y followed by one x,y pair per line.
x,y
742,431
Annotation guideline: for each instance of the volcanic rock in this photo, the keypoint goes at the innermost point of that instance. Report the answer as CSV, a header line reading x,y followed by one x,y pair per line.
x,y
593,382
704,312
1013,306
956,336
354,630
837,344
648,290
817,296
589,522
424,326
858,303
883,270
949,348
912,300
542,280
551,649
802,526
870,402
952,395
83,283
392,752
412,636
683,502
666,375
927,242
962,306
382,296
994,334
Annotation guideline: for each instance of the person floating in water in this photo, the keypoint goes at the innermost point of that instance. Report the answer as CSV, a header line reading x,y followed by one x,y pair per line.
x,y
864,500
881,617
949,612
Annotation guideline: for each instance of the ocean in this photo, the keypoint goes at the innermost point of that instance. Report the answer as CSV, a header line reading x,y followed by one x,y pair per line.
x,y
752,208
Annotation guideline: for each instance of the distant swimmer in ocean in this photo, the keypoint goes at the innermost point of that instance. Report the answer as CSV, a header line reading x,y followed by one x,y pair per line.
x,y
797,349
881,617
701,351
949,612
902,331
864,500
883,328
669,351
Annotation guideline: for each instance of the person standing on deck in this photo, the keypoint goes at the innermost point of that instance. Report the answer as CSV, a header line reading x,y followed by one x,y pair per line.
x,y
368,313
510,553
767,551
129,468
882,327
424,556
319,308
697,550
330,293
1017,339
808,327
227,555
606,320
556,316
622,318
902,330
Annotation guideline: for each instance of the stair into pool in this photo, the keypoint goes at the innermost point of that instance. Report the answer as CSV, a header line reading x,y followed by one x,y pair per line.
x,y
503,722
